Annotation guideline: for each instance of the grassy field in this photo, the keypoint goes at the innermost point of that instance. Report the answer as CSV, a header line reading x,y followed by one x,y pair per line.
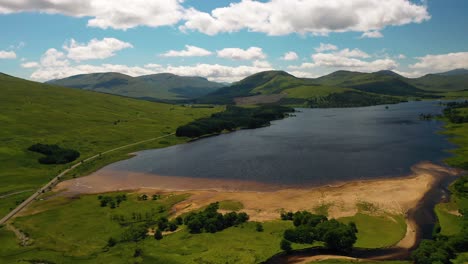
x,y
450,224
76,230
81,228
306,92
355,261
458,134
377,231
85,121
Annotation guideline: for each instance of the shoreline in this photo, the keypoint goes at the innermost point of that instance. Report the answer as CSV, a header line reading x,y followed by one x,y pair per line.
x,y
263,202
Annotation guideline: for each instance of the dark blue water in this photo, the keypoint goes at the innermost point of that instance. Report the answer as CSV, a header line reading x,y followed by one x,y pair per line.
x,y
317,146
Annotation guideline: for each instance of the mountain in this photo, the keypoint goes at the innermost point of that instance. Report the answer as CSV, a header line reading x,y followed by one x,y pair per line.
x,y
455,80
164,86
284,88
454,72
382,82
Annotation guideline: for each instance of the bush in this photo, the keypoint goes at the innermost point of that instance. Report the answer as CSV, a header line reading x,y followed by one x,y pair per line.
x,y
232,118
209,220
158,235
54,154
285,245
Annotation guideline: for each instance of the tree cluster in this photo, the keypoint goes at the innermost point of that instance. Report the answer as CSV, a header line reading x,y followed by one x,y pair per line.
x,y
210,221
233,118
444,248
310,227
351,99
452,112
113,202
54,154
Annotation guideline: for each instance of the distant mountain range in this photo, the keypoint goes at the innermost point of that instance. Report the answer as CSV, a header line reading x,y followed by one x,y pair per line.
x,y
267,86
274,87
156,87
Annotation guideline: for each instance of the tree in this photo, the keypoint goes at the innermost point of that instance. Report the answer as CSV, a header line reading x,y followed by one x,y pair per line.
x,y
158,235
111,242
195,226
138,252
172,226
285,245
341,239
259,227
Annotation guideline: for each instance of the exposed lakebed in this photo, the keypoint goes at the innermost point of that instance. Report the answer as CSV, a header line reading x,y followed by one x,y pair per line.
x,y
314,147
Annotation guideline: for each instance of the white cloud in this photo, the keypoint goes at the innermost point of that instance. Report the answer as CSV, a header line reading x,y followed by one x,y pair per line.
x,y
326,47
273,17
345,59
401,56
372,34
282,17
54,64
7,54
31,64
252,53
190,51
54,58
355,53
94,49
441,62
121,14
18,46
290,56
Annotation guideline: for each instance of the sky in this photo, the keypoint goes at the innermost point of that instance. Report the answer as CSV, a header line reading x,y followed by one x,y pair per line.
x,y
226,41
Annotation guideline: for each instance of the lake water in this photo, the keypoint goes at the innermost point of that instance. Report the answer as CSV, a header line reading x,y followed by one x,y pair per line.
x,y
316,147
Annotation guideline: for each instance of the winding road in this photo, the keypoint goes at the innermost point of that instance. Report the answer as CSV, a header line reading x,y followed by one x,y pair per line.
x,y
56,179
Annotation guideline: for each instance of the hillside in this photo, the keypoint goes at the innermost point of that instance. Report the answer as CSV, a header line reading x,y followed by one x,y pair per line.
x,y
164,86
288,89
455,80
88,122
382,82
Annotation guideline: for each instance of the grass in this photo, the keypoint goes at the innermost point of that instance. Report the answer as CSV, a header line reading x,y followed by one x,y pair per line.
x,y
450,224
81,228
306,92
230,205
337,261
89,122
377,231
458,134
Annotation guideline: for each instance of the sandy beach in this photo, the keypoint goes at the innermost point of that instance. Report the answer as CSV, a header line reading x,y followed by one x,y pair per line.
x,y
264,202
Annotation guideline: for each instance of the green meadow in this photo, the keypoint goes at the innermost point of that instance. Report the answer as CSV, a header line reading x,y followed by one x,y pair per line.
x,y
76,230
377,231
88,122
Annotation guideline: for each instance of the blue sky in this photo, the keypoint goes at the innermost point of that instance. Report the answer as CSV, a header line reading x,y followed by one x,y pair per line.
x,y
229,40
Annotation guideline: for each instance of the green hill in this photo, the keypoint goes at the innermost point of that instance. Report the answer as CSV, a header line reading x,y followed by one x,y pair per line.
x,y
164,86
382,82
85,121
456,80
306,92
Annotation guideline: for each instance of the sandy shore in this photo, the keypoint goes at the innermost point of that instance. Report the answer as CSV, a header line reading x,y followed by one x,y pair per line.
x,y
264,202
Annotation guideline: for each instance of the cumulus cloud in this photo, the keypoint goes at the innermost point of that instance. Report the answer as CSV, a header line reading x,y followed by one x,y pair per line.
x,y
273,17
7,54
372,34
122,14
30,64
345,59
326,47
190,51
282,17
290,56
94,49
55,64
252,53
441,62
